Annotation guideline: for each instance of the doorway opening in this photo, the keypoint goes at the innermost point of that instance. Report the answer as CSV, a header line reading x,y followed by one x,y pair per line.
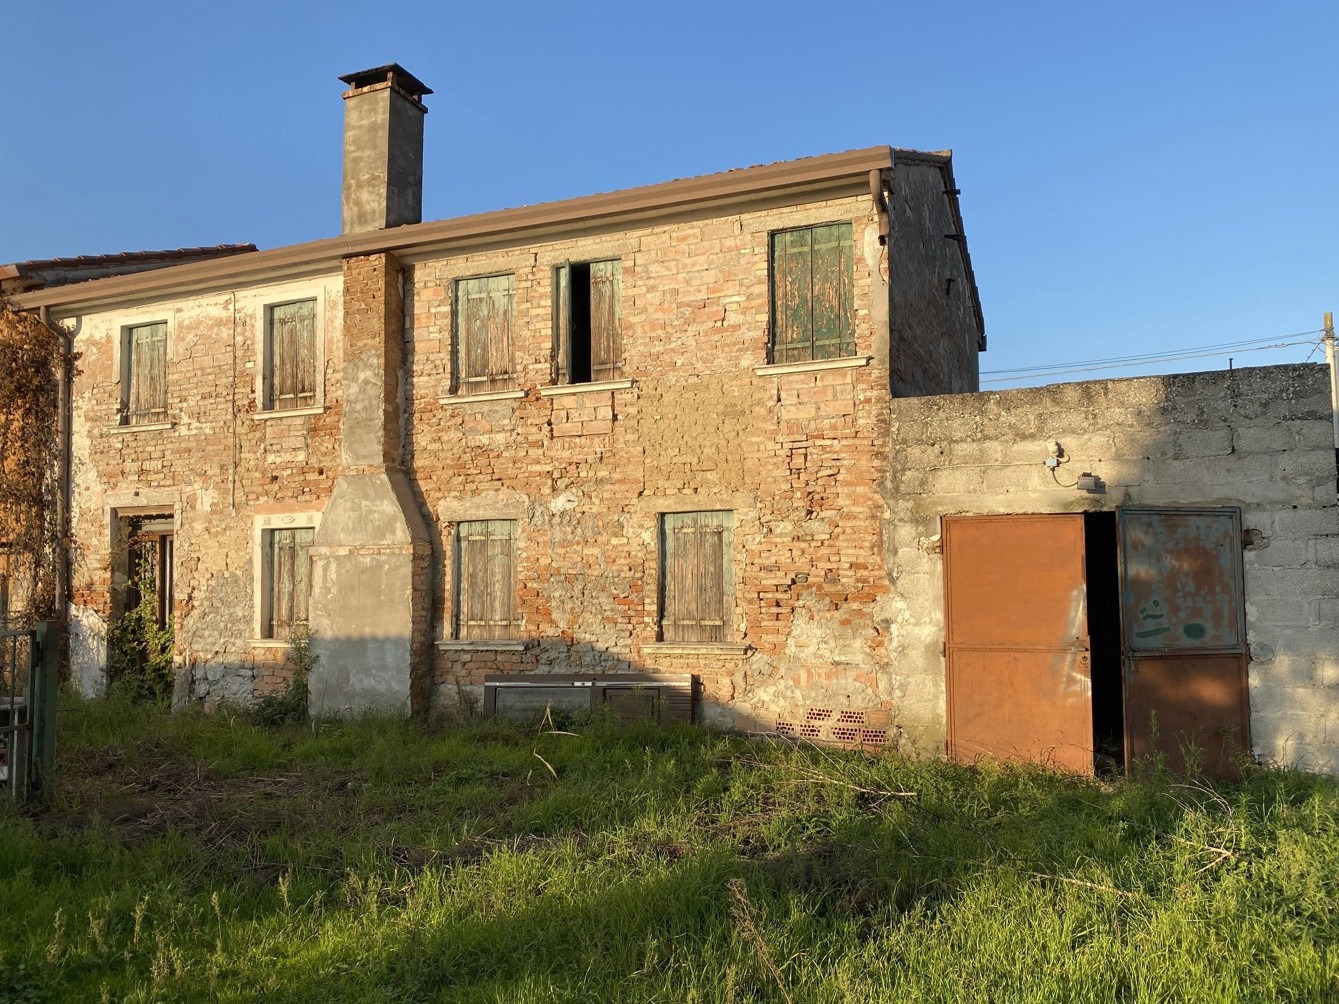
x,y
1102,570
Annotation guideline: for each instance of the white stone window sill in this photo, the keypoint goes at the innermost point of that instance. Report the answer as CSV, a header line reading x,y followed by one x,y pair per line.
x,y
708,649
484,645
850,362
560,390
269,643
123,430
492,395
261,416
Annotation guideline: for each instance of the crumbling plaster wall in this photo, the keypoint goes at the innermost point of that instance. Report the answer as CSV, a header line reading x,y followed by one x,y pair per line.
x,y
702,424
1260,439
216,466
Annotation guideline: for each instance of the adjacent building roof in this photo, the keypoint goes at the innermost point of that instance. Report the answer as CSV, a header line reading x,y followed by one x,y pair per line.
x,y
826,176
41,273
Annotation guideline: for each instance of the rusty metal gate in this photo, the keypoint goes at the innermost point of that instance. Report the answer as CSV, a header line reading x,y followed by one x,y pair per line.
x,y
1185,652
1016,640
1019,646
27,710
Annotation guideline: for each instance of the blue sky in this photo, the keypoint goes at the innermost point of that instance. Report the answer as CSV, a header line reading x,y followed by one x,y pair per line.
x,y
1137,177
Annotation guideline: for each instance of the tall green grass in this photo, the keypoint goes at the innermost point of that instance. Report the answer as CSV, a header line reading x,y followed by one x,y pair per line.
x,y
199,858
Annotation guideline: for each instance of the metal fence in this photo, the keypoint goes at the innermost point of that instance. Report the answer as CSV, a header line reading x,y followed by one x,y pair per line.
x,y
27,710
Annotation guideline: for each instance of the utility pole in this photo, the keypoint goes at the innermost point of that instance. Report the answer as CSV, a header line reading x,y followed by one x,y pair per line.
x,y
1330,354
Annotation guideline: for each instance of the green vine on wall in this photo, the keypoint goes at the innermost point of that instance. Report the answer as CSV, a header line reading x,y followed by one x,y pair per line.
x,y
139,649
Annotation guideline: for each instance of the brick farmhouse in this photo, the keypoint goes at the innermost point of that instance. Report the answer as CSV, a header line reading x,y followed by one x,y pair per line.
x,y
725,429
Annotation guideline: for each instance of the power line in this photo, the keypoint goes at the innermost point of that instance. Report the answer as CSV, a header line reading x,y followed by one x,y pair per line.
x,y
1121,362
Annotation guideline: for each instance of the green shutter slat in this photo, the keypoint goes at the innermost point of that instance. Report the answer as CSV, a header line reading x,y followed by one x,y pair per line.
x,y
606,308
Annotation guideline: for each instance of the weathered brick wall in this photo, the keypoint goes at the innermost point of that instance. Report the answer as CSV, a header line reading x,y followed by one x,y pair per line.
x,y
587,474
1260,439
216,469
933,329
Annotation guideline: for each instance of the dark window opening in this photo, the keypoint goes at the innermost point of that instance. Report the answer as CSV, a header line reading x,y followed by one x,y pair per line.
x,y
149,564
1104,633
578,365
588,315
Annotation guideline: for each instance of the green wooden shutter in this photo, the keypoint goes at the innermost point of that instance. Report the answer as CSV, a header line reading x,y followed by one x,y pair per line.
x,y
290,580
484,313
813,275
146,374
562,321
606,309
831,282
696,576
485,587
291,367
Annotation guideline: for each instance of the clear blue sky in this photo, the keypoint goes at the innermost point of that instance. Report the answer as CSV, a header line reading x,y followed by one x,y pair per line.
x,y
1137,177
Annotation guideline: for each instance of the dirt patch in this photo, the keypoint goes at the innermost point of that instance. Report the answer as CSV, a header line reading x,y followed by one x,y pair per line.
x,y
150,791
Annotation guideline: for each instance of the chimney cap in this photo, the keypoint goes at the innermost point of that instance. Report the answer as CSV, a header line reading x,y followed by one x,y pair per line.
x,y
393,73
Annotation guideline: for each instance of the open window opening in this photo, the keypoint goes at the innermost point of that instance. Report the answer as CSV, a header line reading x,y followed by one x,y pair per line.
x,y
149,546
588,308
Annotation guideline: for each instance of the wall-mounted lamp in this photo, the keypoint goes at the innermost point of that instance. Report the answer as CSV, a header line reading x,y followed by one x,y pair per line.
x,y
1090,483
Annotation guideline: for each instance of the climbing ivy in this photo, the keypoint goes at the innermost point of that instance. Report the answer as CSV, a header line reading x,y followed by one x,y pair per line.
x,y
30,357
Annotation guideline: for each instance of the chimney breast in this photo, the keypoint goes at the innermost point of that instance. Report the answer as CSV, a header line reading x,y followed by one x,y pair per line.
x,y
383,148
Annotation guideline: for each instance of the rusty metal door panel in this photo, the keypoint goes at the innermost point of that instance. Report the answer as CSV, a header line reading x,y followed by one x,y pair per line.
x,y
1014,705
1181,579
1189,708
1016,640
1183,610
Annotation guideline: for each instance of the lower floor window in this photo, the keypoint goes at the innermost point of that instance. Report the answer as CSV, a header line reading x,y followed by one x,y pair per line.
x,y
696,582
287,581
485,580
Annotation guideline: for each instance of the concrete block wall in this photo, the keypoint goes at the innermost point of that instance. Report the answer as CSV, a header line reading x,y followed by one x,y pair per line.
x,y
217,467
1260,439
587,472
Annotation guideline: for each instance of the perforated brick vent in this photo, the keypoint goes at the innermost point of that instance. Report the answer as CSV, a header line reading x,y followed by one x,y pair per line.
x,y
851,727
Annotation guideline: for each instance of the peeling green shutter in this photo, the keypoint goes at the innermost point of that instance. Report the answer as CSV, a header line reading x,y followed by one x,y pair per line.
x,y
813,275
606,309
290,580
485,590
484,311
291,372
696,576
146,374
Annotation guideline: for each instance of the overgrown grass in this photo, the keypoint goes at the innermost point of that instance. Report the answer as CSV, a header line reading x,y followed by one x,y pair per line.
x,y
201,858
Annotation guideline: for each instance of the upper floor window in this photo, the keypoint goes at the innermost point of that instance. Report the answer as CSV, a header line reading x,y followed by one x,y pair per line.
x,y
290,360
144,374
588,308
812,291
696,582
484,314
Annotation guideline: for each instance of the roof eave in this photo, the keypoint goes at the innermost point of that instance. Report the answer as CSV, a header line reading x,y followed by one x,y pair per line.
x,y
800,178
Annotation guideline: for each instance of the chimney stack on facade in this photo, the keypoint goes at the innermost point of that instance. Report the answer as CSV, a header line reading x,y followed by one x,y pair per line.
x,y
383,148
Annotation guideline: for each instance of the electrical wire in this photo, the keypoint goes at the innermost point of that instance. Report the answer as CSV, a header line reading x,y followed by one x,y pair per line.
x,y
1122,362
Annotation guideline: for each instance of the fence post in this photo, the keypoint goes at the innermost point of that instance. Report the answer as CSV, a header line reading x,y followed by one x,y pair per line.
x,y
43,709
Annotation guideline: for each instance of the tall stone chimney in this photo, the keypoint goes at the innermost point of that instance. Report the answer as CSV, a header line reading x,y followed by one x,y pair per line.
x,y
369,604
383,148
